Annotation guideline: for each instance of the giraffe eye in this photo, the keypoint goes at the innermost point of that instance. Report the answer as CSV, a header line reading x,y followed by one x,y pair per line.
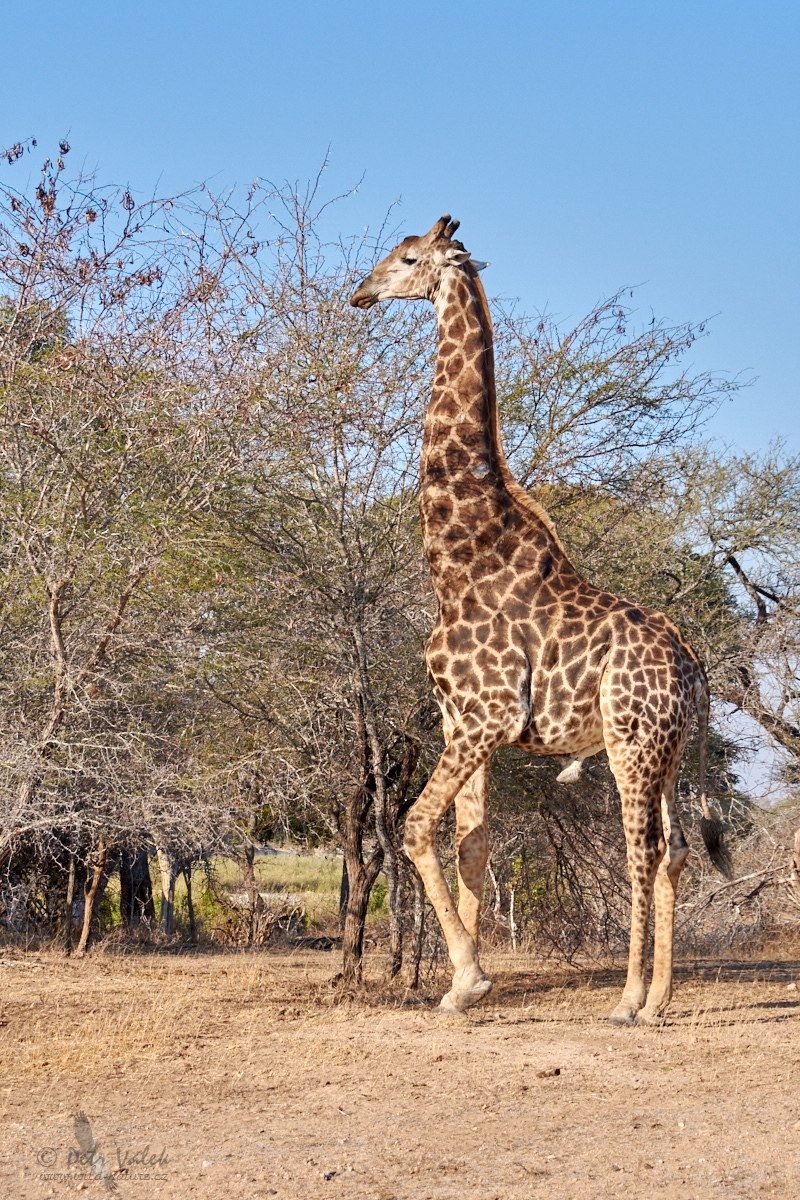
x,y
409,261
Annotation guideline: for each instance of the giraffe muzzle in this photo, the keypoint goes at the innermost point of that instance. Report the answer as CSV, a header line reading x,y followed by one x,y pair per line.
x,y
363,296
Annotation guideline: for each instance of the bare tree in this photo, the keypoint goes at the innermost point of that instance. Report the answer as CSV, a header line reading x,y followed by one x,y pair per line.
x,y
325,511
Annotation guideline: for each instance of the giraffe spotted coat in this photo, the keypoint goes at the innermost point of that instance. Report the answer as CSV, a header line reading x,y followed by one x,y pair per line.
x,y
524,651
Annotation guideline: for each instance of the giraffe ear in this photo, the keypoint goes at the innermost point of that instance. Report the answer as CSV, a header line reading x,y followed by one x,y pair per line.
x,y
456,257
478,266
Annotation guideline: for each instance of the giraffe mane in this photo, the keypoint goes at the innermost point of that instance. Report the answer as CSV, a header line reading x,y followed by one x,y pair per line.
x,y
523,498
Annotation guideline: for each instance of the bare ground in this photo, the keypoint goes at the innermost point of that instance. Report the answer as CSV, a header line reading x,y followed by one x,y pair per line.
x,y
247,1076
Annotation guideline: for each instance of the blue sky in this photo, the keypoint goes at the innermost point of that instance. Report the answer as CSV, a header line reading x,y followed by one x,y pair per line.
x,y
583,146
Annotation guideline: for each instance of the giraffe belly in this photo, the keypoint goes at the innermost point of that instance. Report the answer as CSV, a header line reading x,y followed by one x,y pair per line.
x,y
563,724
573,744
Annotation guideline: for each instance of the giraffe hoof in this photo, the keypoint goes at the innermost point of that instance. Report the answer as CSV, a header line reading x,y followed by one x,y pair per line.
x,y
447,1008
462,997
571,773
653,1019
622,1015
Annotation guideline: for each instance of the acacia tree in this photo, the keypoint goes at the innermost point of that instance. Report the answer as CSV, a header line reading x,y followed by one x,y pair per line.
x,y
325,668
109,454
745,511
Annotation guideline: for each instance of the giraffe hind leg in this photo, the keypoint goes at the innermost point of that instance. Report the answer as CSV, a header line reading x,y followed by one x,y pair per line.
x,y
640,792
666,891
472,853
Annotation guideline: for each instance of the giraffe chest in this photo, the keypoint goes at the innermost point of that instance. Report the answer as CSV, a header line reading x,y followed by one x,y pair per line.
x,y
481,668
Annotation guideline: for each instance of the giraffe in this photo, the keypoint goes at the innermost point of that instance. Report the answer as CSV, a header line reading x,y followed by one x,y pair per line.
x,y
525,652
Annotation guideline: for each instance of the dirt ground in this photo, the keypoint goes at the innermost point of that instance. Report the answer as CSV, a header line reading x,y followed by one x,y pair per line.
x,y
234,1076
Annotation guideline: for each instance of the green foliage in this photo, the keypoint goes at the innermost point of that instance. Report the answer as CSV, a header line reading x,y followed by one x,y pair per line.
x,y
108,914
378,896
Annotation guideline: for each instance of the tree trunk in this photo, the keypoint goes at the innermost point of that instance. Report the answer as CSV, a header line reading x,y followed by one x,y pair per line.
x,y
248,862
796,862
169,871
361,876
396,812
187,875
498,905
396,912
385,824
69,905
418,934
91,897
344,895
136,890
394,896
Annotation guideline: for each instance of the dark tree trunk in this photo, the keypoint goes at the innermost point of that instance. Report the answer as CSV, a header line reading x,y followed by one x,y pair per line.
x,y
396,892
402,773
344,895
386,775
136,890
249,859
187,875
126,889
361,876
394,896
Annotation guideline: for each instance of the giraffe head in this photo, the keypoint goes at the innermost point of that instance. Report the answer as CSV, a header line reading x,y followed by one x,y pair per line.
x,y
414,269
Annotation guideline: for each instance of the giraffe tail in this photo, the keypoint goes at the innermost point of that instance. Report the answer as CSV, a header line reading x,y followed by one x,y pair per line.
x,y
710,824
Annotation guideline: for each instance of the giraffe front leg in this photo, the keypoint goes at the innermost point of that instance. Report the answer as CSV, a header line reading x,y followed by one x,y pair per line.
x,y
472,853
472,848
467,752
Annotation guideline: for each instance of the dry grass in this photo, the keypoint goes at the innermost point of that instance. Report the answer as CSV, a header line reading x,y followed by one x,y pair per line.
x,y
260,1079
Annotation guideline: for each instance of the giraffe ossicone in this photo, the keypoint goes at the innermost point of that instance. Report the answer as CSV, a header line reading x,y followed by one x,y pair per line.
x,y
525,652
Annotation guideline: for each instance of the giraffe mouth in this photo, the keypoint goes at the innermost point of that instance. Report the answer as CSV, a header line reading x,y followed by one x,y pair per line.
x,y
363,296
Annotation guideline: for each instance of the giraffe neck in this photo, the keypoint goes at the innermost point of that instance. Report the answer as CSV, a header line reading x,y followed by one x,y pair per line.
x,y
460,447
466,486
